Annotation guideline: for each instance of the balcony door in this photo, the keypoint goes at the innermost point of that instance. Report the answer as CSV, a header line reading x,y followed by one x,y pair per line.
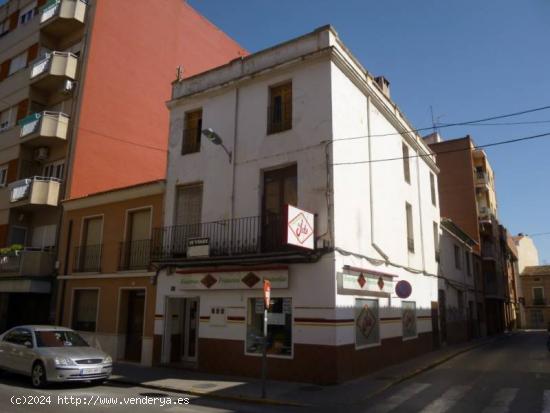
x,y
138,233
188,216
280,189
90,253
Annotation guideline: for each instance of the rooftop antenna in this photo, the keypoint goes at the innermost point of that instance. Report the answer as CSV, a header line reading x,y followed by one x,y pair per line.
x,y
434,125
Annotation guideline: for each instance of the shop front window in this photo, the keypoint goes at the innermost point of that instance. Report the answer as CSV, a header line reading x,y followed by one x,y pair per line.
x,y
279,326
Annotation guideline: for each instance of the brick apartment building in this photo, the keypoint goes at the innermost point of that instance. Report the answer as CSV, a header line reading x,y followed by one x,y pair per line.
x,y
82,92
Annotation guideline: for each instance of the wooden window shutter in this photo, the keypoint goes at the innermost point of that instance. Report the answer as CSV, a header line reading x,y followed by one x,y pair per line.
x,y
286,94
14,19
22,109
4,69
32,53
12,171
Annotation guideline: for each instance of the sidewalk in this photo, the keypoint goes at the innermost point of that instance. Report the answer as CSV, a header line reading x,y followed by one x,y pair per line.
x,y
285,393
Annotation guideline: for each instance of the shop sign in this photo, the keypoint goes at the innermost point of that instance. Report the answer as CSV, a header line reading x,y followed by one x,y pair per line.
x,y
235,280
365,281
267,293
300,229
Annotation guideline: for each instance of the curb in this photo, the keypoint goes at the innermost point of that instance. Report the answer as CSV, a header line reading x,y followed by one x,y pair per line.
x,y
255,400
427,367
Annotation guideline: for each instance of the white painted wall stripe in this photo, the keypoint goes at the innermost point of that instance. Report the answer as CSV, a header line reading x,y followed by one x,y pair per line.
x,y
447,400
401,397
500,403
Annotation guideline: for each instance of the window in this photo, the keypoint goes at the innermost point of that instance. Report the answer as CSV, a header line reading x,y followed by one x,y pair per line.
x,y
192,132
280,108
3,175
5,119
188,204
27,13
458,261
4,27
468,265
85,310
410,230
279,326
432,188
18,62
537,319
538,295
88,255
436,240
408,309
406,164
367,322
19,336
54,169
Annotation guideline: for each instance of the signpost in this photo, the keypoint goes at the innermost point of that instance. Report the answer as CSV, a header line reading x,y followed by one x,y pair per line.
x,y
267,299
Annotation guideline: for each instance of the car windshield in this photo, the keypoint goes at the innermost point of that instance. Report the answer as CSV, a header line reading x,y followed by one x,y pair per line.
x,y
59,339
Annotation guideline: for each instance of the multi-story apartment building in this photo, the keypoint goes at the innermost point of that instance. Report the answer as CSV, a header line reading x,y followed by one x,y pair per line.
x,y
107,293
254,145
468,197
82,86
535,282
458,315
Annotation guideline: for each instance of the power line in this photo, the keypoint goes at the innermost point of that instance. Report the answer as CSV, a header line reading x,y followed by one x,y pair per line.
x,y
449,125
538,234
532,122
124,140
488,145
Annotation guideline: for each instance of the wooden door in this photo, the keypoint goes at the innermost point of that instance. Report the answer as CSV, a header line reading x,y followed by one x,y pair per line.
x,y
134,325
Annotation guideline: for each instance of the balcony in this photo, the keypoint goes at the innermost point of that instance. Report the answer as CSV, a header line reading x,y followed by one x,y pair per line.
x,y
44,129
52,72
482,180
134,255
238,237
62,18
34,192
87,258
35,263
539,301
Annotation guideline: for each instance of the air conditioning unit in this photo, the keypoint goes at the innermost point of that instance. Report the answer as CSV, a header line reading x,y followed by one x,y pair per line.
x,y
68,86
41,154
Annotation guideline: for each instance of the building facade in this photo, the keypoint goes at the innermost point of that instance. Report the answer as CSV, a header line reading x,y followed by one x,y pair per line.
x,y
528,256
468,197
458,313
255,145
82,86
105,277
535,282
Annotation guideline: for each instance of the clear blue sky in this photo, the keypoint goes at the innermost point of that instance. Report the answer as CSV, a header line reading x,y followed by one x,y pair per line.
x,y
468,59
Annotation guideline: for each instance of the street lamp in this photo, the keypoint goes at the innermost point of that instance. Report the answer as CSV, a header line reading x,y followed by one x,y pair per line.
x,y
216,140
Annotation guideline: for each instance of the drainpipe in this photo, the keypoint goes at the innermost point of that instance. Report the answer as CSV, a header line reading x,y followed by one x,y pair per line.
x,y
234,156
59,319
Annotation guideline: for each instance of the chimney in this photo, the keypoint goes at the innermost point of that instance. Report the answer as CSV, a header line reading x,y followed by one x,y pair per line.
x,y
383,84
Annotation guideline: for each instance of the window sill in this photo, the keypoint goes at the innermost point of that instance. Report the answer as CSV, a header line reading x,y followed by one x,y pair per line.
x,y
273,356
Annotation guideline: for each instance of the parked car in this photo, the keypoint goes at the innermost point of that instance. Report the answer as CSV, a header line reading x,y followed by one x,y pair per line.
x,y
52,354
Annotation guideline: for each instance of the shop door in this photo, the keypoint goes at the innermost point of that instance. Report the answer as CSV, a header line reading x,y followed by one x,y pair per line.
x,y
190,330
134,326
280,189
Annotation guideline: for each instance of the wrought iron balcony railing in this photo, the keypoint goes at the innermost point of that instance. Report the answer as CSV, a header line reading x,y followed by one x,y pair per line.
x,y
134,255
239,236
87,258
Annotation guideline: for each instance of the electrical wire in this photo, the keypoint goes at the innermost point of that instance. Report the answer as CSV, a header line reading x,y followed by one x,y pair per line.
x,y
488,145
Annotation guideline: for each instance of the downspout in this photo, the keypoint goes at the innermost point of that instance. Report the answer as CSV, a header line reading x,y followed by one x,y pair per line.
x,y
59,320
234,155
371,185
420,214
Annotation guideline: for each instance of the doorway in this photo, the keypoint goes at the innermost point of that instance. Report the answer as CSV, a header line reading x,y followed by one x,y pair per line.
x,y
183,330
132,317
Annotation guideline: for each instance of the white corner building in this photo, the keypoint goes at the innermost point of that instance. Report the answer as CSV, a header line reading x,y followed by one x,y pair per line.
x,y
294,165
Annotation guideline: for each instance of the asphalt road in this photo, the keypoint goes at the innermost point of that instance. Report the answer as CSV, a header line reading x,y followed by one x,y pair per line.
x,y
510,375
110,397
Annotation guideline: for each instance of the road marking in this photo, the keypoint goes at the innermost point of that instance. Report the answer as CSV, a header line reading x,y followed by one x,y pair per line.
x,y
546,402
447,400
399,398
501,401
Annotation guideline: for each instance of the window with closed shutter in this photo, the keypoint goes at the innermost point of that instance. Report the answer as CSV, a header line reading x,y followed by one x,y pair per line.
x,y
18,62
192,132
22,109
189,204
280,108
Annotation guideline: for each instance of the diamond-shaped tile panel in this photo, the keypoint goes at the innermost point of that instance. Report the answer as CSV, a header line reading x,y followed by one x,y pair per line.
x,y
208,280
366,321
361,280
251,279
380,283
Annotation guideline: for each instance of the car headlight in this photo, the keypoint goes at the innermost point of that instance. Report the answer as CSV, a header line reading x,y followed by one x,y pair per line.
x,y
62,361
108,360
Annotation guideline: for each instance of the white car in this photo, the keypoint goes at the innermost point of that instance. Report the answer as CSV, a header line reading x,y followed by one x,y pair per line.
x,y
52,354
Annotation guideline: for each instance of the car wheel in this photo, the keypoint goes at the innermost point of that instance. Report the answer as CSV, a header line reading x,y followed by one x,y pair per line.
x,y
38,375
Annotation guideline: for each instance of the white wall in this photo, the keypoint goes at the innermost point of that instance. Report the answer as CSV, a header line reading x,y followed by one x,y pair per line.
x,y
528,254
